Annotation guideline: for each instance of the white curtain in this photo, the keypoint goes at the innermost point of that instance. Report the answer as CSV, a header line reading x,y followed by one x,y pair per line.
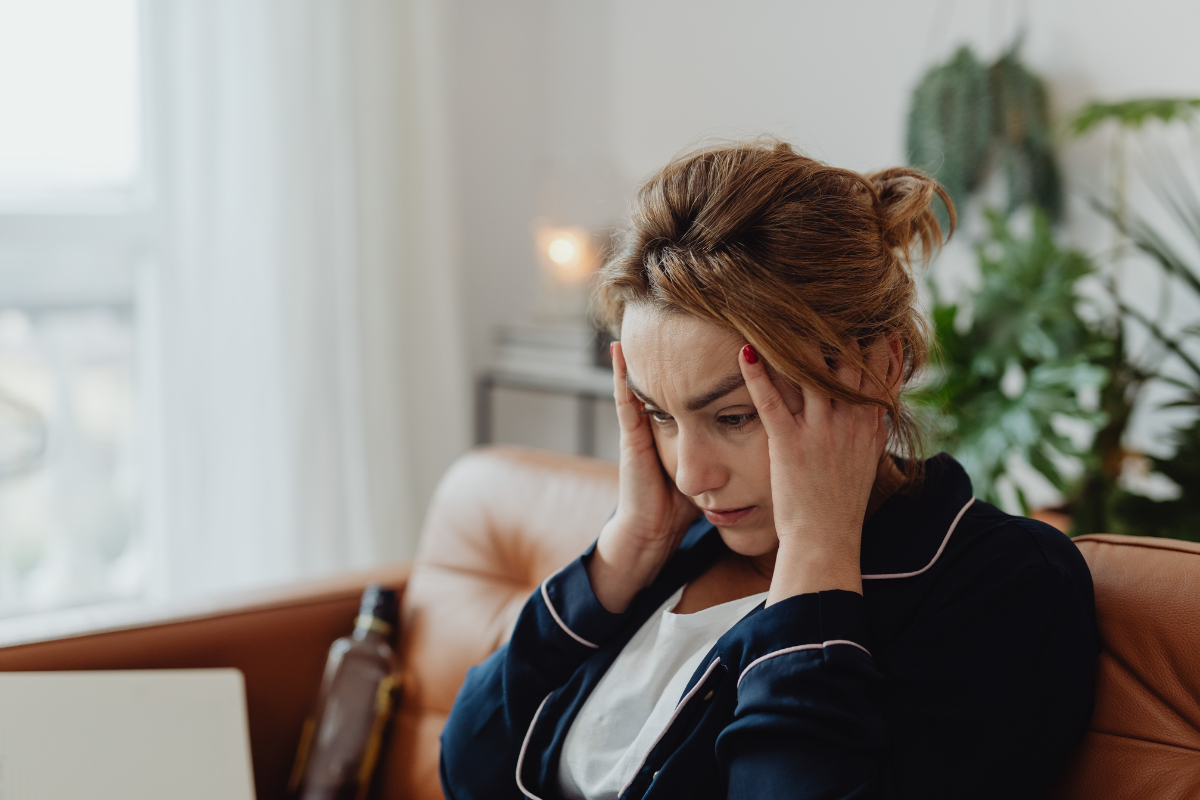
x,y
304,356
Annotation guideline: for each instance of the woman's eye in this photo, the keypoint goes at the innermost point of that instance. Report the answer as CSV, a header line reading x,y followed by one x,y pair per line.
x,y
660,417
737,421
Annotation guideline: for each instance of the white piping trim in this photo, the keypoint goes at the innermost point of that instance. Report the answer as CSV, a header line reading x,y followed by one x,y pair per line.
x,y
713,665
936,555
558,619
797,649
670,722
525,744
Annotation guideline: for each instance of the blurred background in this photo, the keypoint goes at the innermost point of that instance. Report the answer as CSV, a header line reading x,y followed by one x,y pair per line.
x,y
267,267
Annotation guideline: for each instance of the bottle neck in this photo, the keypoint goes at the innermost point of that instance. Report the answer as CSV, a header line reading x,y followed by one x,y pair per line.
x,y
366,624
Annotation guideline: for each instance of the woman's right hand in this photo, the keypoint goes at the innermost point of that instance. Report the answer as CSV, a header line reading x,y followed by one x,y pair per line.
x,y
652,514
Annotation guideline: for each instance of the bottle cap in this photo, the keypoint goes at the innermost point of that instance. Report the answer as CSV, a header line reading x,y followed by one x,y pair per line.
x,y
379,605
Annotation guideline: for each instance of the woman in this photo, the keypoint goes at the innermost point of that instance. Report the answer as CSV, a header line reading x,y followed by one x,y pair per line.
x,y
841,620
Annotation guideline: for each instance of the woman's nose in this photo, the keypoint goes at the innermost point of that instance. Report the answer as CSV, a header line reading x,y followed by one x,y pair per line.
x,y
698,468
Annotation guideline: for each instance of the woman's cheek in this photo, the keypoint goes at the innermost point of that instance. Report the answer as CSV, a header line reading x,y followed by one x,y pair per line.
x,y
754,461
665,444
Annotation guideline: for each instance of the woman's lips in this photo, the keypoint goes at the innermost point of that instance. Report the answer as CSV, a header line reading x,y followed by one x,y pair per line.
x,y
727,516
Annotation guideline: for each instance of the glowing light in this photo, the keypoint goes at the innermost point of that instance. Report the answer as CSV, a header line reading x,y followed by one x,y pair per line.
x,y
562,251
565,254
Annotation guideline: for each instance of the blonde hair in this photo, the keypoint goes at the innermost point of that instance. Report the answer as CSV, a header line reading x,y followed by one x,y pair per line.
x,y
786,251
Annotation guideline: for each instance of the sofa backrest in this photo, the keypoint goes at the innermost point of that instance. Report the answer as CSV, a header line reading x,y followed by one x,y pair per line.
x,y
502,519
505,518
1144,738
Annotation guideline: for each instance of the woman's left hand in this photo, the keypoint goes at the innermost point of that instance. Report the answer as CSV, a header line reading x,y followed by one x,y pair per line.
x,y
824,456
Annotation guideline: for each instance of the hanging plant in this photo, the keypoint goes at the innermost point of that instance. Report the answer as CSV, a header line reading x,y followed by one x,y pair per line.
x,y
950,124
966,120
1023,135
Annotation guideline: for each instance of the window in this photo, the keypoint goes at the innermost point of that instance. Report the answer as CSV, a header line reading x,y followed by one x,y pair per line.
x,y
68,101
72,210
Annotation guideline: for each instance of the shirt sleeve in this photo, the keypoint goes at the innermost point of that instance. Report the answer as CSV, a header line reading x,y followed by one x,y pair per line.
x,y
985,695
809,719
560,626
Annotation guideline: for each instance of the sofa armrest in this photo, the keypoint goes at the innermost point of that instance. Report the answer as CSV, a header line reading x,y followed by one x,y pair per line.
x,y
277,638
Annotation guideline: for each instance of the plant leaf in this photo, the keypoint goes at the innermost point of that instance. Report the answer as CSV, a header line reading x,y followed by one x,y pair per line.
x,y
1133,113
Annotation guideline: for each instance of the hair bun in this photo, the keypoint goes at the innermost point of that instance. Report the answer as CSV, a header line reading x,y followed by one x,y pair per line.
x,y
904,201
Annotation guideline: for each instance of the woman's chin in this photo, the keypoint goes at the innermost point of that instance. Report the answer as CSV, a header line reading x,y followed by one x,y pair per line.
x,y
751,542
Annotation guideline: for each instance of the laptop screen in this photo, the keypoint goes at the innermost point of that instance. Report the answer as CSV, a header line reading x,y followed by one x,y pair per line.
x,y
136,735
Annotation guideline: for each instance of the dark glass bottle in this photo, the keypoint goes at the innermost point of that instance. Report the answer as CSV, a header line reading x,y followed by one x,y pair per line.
x,y
341,740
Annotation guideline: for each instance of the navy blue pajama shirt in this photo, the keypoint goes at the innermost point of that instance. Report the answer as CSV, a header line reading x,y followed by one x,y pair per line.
x,y
964,670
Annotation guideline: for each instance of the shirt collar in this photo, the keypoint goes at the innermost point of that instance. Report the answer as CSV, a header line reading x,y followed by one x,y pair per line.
x,y
906,533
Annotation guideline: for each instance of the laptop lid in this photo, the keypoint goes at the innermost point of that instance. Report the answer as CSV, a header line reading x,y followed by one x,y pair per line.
x,y
127,735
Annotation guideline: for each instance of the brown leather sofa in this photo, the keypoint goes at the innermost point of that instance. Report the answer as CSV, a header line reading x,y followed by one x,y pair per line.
x,y
504,518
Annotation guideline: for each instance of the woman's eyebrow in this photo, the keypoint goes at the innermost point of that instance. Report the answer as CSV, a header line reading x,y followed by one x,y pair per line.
x,y
645,398
735,381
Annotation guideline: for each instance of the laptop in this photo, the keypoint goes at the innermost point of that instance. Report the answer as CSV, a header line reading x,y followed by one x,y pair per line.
x,y
136,735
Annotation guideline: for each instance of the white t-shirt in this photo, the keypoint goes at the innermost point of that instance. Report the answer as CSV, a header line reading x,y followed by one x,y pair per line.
x,y
629,709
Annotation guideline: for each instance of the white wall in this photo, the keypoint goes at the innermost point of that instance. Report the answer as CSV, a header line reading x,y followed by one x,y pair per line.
x,y
560,106
835,77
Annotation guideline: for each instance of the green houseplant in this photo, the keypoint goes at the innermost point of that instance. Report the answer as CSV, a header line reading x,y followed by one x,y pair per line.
x,y
1018,358
1007,369
1021,359
1100,503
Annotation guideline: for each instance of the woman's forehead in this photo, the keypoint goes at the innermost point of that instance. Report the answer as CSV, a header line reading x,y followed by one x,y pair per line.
x,y
673,357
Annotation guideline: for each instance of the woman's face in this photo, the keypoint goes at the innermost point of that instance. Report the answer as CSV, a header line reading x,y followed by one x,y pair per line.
x,y
710,440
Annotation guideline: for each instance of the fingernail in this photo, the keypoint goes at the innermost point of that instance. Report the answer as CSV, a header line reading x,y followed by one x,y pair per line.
x,y
750,354
612,349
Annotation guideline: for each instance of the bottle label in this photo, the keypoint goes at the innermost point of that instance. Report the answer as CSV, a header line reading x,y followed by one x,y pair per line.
x,y
365,622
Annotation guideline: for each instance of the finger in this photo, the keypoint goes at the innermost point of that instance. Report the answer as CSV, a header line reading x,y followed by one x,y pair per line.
x,y
869,383
768,402
818,405
627,412
849,375
867,416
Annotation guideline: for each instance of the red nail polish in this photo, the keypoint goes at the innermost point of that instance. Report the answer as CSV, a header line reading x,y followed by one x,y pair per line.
x,y
749,353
